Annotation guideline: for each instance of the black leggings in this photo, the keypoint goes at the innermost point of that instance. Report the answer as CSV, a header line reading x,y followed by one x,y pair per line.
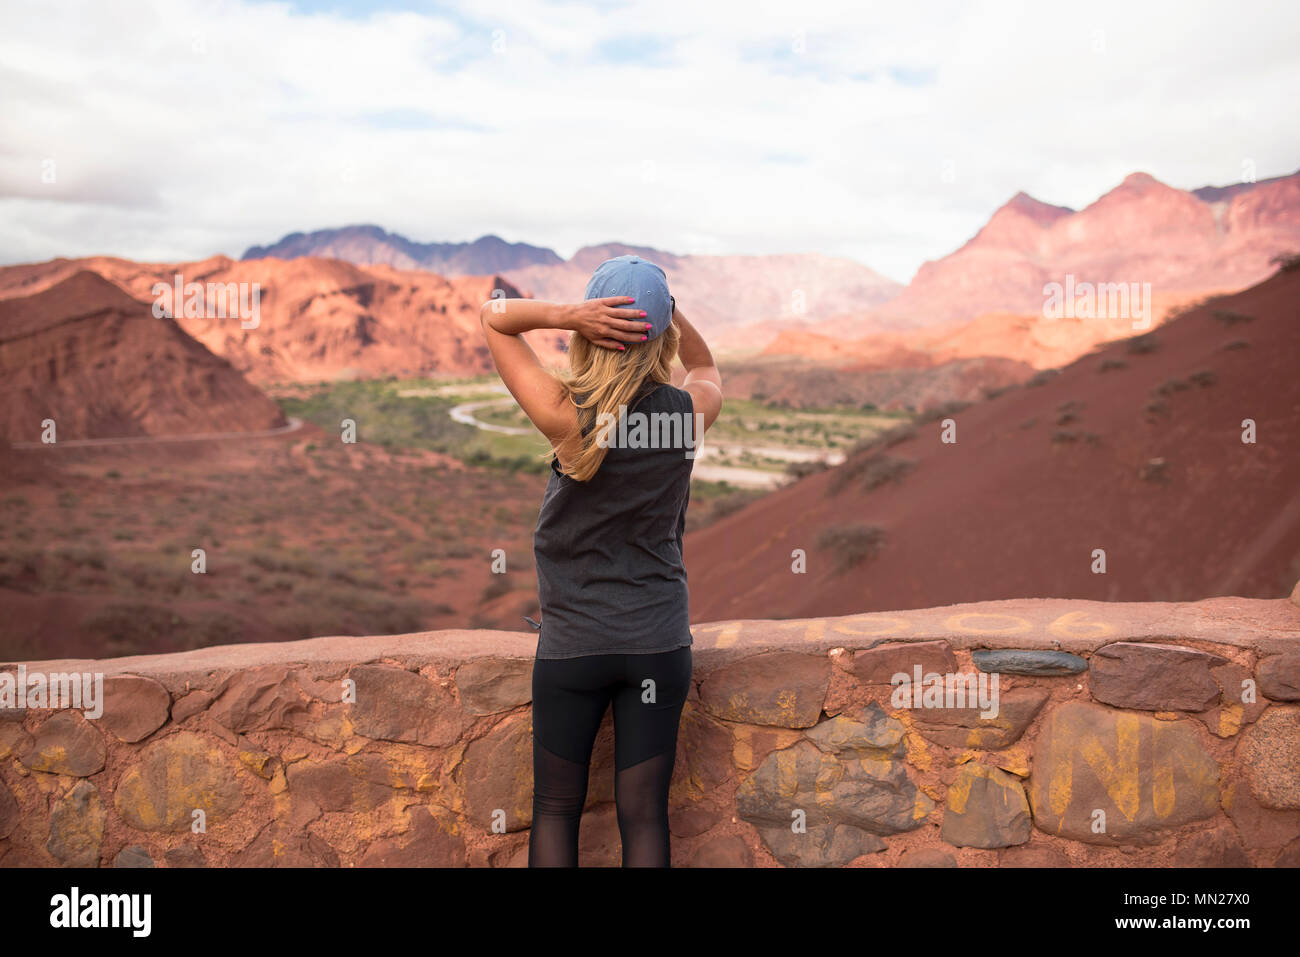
x,y
570,697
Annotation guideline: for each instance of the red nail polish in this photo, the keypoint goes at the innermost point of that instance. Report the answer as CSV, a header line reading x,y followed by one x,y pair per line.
x,y
642,313
643,338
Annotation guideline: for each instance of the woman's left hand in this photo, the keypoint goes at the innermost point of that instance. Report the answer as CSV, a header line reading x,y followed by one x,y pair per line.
x,y
603,323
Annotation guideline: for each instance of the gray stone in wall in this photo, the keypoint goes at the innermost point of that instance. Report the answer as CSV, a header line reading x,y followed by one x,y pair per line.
x,y
871,795
281,845
878,665
1146,775
77,827
358,783
185,855
133,855
1032,855
873,733
66,744
1279,677
823,845
496,773
428,843
986,807
1231,713
926,857
174,776
1154,677
1027,661
967,728
1218,848
191,704
14,738
10,813
726,850
134,707
267,698
876,795
394,704
781,689
1289,856
493,685
1270,754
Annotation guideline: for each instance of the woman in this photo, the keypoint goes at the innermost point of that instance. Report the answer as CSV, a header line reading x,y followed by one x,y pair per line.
x,y
608,545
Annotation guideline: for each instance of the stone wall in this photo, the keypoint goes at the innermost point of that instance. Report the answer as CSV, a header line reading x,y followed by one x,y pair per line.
x,y
1126,735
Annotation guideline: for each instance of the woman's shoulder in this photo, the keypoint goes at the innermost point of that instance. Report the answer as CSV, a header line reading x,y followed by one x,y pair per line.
x,y
671,395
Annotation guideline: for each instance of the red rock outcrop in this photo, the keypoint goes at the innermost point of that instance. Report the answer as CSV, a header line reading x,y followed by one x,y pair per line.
x,y
99,364
320,319
1141,231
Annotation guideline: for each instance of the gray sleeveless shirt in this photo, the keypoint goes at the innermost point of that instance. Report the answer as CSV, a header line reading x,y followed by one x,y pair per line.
x,y
610,576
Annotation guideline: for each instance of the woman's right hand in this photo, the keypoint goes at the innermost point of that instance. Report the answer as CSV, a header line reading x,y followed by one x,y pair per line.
x,y
604,323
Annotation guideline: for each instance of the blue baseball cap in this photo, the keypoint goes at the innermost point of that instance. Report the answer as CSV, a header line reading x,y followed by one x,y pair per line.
x,y
640,279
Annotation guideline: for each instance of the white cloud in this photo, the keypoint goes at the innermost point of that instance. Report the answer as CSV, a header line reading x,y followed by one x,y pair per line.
x,y
184,128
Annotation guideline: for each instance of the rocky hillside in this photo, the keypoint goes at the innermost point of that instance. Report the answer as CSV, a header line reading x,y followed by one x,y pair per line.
x,y
320,319
85,354
1136,449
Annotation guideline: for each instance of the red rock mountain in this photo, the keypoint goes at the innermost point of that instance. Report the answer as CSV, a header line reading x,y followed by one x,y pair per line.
x,y
320,319
1183,243
720,292
85,354
1136,449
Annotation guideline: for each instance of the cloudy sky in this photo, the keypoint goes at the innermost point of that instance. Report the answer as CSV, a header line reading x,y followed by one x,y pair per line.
x,y
887,133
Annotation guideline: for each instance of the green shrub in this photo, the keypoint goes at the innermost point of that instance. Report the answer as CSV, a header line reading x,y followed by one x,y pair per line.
x,y
1143,344
851,544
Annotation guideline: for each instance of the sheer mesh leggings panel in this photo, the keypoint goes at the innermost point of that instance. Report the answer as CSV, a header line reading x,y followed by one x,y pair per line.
x,y
641,793
641,798
559,792
570,699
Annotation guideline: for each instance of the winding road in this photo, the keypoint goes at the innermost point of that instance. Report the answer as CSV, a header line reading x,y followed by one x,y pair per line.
x,y
734,474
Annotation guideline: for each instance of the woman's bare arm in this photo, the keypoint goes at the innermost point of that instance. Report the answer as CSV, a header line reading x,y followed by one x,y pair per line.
x,y
702,379
538,394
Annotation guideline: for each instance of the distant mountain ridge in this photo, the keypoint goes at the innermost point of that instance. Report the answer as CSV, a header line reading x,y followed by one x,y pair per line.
x,y
714,291
369,245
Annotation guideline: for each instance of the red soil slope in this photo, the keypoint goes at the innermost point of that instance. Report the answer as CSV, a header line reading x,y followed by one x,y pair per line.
x,y
1042,476
98,363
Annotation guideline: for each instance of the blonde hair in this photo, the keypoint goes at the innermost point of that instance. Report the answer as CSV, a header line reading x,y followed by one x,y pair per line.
x,y
599,380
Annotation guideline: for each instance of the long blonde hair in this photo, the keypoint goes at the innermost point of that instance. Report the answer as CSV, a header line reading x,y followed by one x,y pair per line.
x,y
599,380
